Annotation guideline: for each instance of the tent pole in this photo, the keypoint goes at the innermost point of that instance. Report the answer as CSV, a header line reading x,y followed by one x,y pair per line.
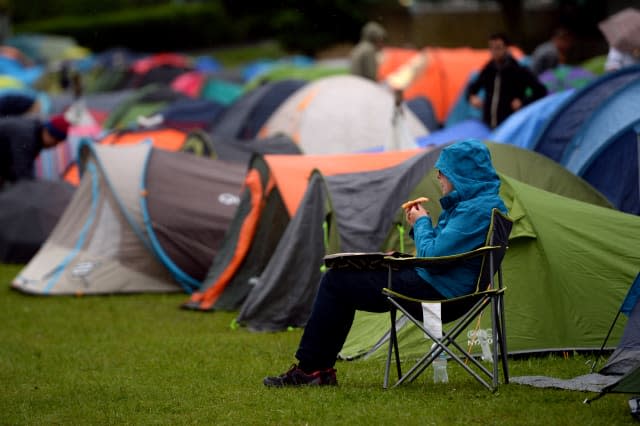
x,y
595,361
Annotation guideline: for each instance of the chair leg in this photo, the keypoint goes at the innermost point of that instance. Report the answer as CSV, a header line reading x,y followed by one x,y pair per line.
x,y
495,335
387,366
393,349
396,349
503,341
448,344
442,345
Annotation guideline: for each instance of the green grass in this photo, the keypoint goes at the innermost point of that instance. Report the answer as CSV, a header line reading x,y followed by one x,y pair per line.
x,y
141,360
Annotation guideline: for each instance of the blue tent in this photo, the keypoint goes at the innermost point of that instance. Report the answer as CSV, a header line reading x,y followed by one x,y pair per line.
x,y
462,109
423,109
26,75
463,130
569,117
605,150
521,127
188,114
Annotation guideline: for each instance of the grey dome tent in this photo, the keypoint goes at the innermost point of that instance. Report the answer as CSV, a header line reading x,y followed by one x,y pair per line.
x,y
142,220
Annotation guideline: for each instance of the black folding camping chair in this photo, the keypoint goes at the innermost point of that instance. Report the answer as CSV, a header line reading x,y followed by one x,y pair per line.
x,y
458,312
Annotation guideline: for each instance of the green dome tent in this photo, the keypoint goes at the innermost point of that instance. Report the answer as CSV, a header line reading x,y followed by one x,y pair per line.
x,y
568,267
358,211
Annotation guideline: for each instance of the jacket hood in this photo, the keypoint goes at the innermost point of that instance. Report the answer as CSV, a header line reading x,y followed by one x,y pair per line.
x,y
373,32
467,165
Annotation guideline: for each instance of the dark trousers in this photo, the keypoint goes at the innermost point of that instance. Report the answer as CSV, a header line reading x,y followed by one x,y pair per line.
x,y
341,293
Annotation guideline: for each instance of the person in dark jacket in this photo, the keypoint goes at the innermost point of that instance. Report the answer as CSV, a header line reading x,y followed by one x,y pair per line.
x,y
508,85
22,139
470,188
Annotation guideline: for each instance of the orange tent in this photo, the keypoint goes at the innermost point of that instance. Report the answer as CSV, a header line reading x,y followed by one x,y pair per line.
x,y
444,76
289,176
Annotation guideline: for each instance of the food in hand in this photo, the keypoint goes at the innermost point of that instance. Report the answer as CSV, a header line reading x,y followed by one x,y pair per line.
x,y
410,204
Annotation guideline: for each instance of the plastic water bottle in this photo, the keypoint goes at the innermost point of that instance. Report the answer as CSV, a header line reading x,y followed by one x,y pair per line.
x,y
440,368
483,338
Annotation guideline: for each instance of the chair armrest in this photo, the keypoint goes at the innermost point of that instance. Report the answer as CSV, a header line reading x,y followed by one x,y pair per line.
x,y
439,260
365,260
391,293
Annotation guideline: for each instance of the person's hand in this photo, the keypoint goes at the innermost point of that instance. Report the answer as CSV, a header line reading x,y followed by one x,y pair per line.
x,y
475,101
414,212
516,104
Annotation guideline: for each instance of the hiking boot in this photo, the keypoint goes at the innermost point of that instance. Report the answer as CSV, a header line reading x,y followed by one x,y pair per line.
x,y
296,377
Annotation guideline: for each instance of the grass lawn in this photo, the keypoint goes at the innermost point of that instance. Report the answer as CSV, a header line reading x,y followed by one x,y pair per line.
x,y
141,360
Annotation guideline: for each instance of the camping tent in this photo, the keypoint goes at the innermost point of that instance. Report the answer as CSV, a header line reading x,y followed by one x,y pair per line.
x,y
244,118
444,75
568,266
468,129
362,214
273,190
621,372
30,210
242,150
142,220
52,163
145,101
342,114
423,109
565,123
297,71
521,127
165,138
190,114
564,77
605,150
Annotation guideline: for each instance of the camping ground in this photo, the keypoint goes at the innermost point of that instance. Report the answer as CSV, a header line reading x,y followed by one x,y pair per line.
x,y
138,359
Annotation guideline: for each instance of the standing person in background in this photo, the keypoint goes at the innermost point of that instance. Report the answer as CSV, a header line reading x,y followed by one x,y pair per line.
x,y
364,56
22,139
554,52
507,84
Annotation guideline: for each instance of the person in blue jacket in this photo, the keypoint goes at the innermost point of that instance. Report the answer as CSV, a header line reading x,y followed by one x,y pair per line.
x,y
470,189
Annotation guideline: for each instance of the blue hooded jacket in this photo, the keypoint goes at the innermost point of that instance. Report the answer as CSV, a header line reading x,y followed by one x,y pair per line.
x,y
465,218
